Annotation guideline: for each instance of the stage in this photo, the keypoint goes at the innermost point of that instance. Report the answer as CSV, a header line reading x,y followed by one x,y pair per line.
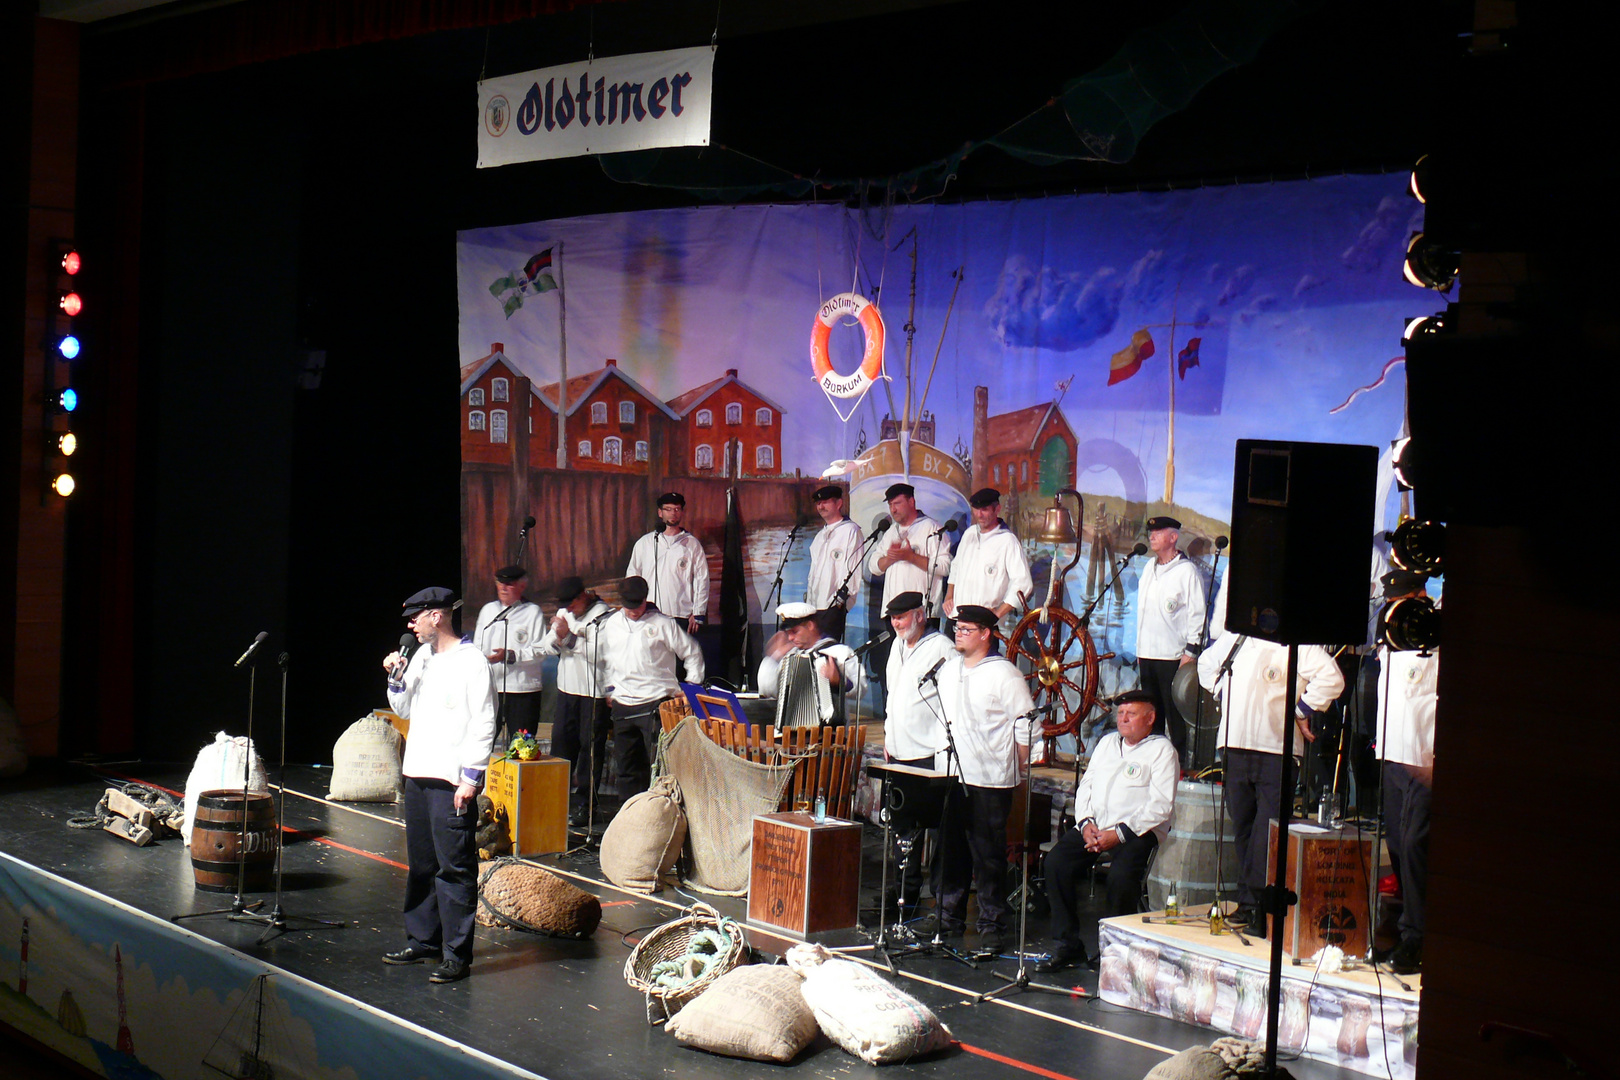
x,y
102,976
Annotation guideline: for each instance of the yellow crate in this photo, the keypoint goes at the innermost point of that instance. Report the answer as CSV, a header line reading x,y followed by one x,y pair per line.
x,y
535,797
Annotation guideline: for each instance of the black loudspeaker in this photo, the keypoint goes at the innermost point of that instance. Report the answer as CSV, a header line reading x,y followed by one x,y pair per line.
x,y
1302,534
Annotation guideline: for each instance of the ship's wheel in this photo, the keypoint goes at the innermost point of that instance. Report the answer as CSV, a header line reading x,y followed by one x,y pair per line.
x,y
1062,669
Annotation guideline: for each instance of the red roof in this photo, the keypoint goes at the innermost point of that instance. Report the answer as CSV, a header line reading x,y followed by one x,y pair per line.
x,y
1016,430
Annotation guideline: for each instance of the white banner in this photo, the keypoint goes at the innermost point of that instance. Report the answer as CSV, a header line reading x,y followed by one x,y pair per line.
x,y
613,104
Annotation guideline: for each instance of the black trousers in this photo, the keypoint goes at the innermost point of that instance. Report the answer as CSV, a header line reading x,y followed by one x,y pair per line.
x,y
1156,677
635,742
579,731
517,712
1066,866
912,869
1406,820
441,887
1253,797
973,848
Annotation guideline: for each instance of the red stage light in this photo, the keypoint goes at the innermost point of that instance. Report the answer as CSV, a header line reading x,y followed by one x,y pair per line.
x,y
70,262
71,304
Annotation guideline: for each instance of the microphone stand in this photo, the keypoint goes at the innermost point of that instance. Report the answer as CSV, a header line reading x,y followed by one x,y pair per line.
x,y
781,568
1021,981
237,906
1085,619
938,944
1209,614
596,717
1278,897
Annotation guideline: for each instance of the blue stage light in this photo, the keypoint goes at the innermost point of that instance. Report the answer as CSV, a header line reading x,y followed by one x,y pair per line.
x,y
69,399
68,347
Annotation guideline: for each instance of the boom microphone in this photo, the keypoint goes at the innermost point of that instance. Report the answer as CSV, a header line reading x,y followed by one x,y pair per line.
x,y
949,527
873,643
1139,549
1221,542
881,525
251,649
528,523
931,674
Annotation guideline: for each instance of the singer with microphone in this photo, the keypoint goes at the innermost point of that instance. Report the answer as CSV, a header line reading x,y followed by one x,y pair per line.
x,y
987,705
508,633
582,713
446,692
834,555
990,568
1170,605
672,563
914,556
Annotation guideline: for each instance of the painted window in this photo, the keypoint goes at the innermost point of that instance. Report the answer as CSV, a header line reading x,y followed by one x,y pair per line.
x,y
497,425
705,418
475,421
1023,472
762,417
995,474
704,457
584,448
641,449
611,448
498,389
764,458
734,413
598,412
475,396
627,412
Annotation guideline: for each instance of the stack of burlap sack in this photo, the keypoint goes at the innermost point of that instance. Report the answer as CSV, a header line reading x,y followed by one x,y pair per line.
x,y
771,1013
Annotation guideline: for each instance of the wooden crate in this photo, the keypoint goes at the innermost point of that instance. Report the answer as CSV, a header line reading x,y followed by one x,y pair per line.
x,y
806,878
1327,868
535,797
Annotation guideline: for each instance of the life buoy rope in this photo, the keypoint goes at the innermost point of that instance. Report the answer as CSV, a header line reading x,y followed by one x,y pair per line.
x,y
827,377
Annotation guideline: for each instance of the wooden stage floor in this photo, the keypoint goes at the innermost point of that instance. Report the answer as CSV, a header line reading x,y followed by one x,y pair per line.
x,y
555,1008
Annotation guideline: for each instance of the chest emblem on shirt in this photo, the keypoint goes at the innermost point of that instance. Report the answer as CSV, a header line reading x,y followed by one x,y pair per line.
x,y
836,554
1412,674
1133,770
450,703
522,636
990,571
1272,673
680,564
1172,605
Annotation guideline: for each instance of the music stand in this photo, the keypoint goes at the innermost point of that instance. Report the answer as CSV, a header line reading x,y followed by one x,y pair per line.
x,y
913,798
714,703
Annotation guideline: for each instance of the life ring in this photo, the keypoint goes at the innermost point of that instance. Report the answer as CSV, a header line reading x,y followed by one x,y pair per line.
x,y
830,380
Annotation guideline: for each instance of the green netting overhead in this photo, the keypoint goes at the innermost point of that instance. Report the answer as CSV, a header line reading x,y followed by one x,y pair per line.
x,y
1101,116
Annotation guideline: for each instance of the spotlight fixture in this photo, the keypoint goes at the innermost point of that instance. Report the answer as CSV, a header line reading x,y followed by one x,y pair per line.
x,y
67,443
71,304
70,262
68,347
63,485
1430,265
67,400
1419,546
1424,326
1410,624
1421,175
1401,458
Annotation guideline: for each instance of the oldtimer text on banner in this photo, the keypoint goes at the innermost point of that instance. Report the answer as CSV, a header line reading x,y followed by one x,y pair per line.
x,y
599,107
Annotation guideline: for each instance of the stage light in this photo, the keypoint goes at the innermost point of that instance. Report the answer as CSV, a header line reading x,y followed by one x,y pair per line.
x,y
1430,265
1424,326
68,400
71,303
68,347
1420,178
63,485
68,443
1419,546
1410,624
70,263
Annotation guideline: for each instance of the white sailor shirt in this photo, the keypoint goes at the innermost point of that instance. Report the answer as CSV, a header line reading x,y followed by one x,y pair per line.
x,y
903,576
990,568
1169,609
834,553
849,665
581,667
911,725
676,571
1254,701
1408,691
449,698
1133,786
520,631
988,707
641,655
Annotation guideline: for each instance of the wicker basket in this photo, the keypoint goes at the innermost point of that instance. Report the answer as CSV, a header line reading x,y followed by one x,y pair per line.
x,y
670,941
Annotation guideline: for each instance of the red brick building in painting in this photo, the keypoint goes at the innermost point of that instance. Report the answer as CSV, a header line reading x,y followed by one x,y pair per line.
x,y
726,428
1030,451
613,423
494,399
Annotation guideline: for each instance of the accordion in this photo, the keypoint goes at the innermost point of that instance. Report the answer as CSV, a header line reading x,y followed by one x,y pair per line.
x,y
803,697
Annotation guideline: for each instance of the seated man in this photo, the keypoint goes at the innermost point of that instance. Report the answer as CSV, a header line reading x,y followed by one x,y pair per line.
x,y
1123,805
835,663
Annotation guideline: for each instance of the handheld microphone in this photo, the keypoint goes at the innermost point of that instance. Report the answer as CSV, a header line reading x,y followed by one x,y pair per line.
x,y
407,645
1221,542
873,643
528,523
1139,549
251,649
931,675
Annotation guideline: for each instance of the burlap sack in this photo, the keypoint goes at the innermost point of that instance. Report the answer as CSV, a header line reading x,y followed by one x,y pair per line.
x,y
645,837
523,897
752,1012
219,768
862,1012
365,762
1224,1059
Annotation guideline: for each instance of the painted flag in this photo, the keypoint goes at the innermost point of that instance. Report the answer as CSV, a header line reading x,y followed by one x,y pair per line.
x,y
535,278
1128,361
1063,385
1188,357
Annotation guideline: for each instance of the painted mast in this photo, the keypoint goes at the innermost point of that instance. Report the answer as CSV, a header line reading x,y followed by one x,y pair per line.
x,y
562,365
1170,441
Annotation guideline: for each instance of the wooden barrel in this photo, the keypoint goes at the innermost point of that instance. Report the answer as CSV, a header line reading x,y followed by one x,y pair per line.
x,y
219,836
1185,862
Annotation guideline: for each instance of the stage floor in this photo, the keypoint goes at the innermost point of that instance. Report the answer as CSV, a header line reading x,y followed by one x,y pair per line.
x,y
555,1008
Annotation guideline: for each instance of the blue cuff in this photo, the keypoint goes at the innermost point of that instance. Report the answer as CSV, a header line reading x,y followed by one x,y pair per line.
x,y
473,777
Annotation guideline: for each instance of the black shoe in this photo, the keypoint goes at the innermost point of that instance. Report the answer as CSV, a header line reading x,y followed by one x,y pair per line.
x,y
930,925
1062,958
411,954
449,971
1407,959
578,815
990,943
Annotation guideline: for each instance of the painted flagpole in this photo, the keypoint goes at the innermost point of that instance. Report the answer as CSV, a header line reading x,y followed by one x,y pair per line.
x,y
562,365
1170,442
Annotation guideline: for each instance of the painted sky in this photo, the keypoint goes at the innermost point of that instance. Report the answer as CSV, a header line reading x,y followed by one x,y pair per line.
x,y
1294,290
